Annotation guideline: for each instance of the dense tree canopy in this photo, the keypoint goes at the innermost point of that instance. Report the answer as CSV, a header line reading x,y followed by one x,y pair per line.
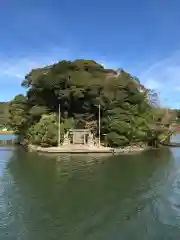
x,y
4,111
80,87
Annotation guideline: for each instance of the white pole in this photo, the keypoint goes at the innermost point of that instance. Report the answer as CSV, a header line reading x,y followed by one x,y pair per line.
x,y
59,127
99,125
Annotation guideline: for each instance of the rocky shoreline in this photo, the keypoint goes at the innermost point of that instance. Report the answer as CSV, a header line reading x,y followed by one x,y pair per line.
x,y
83,149
130,149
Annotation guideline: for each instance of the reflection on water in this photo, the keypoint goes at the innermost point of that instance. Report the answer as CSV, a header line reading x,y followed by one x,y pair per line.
x,y
175,138
90,197
7,136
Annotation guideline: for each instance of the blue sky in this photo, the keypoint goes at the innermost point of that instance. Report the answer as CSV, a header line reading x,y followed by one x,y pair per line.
x,y
141,36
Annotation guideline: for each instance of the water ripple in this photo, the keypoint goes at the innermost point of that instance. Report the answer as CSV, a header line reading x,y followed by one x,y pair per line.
x,y
89,197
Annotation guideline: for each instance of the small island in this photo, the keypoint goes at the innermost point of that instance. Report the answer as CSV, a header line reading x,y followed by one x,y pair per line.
x,y
114,108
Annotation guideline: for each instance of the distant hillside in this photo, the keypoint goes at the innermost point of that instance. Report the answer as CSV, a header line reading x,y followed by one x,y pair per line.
x,y
3,113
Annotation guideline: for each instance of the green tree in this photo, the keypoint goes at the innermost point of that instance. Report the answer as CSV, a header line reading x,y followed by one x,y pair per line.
x,y
18,115
4,114
79,87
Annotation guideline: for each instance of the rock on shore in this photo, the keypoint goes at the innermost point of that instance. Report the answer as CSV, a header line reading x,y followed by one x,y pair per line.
x,y
83,149
129,149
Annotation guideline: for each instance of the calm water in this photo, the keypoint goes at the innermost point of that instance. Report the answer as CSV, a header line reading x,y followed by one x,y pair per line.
x,y
7,136
89,197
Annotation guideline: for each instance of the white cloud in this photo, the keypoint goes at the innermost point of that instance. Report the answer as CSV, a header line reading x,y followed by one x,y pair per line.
x,y
164,76
152,84
177,88
18,67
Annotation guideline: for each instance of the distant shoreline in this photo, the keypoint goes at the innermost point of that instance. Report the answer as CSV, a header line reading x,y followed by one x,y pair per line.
x,y
6,132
